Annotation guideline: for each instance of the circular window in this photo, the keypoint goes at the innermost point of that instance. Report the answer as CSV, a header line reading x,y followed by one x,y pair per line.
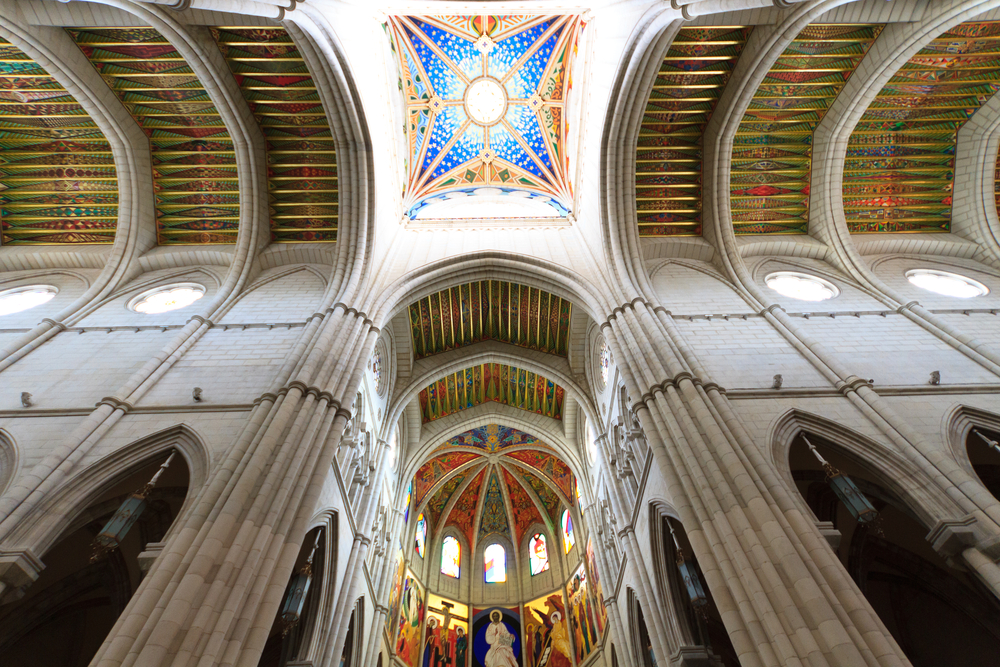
x,y
22,298
485,101
166,298
801,286
605,361
948,284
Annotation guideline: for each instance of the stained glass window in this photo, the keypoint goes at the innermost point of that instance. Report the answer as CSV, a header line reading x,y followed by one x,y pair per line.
x,y
22,298
409,495
421,538
538,554
451,557
567,525
605,361
495,558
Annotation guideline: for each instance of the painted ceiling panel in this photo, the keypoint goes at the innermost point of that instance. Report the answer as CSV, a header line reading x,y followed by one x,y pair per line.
x,y
549,498
512,386
525,512
437,503
437,469
668,163
493,517
772,152
58,182
490,310
519,149
194,164
463,514
493,438
900,164
551,467
301,156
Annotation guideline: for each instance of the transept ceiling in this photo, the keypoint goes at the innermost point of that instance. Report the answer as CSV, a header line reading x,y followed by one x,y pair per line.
x,y
58,182
516,387
485,101
493,480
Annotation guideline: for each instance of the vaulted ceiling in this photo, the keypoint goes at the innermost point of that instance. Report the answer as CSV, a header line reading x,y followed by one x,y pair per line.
x,y
516,387
58,182
493,480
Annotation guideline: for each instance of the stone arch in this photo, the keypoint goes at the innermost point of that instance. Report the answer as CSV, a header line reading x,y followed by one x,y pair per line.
x,y
271,279
923,495
54,515
957,426
9,460
321,611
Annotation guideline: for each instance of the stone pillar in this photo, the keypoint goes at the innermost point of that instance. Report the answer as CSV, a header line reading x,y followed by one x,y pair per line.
x,y
619,630
783,597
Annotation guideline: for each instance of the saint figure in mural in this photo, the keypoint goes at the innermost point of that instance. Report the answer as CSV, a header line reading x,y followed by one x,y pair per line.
x,y
548,639
461,647
501,643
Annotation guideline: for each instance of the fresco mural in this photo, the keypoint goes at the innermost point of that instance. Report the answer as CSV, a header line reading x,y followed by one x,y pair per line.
x,y
411,618
596,591
496,635
546,633
446,639
584,628
397,585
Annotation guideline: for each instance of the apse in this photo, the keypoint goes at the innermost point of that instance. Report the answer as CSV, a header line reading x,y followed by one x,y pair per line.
x,y
495,567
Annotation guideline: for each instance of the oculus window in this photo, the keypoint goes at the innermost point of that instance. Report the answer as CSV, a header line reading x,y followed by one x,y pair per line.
x,y
947,284
22,298
487,114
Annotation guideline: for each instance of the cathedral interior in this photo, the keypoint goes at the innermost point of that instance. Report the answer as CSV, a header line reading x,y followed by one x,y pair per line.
x,y
432,333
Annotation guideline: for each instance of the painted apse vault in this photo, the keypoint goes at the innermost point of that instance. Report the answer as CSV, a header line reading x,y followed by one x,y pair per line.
x,y
486,112
495,486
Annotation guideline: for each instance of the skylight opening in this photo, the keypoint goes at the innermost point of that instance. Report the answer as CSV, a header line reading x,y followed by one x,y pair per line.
x,y
22,298
947,284
801,286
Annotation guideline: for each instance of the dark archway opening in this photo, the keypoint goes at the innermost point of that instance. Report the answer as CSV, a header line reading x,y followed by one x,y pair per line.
x,y
938,612
985,459
286,643
64,616
701,629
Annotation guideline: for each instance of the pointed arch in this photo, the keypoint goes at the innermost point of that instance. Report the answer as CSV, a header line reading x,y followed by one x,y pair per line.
x,y
9,460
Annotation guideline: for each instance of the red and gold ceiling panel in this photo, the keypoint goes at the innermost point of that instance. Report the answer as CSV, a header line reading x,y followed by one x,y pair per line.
x,y
58,182
772,152
438,502
551,467
194,163
900,165
509,385
463,514
430,473
490,310
522,506
668,163
549,498
301,156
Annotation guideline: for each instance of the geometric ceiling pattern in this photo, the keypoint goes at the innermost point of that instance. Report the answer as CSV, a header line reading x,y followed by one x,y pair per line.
x,y
485,105
58,182
490,310
194,163
900,165
301,157
772,152
689,84
494,480
505,384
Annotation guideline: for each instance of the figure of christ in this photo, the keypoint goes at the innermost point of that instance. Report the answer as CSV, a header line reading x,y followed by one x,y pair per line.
x,y
501,642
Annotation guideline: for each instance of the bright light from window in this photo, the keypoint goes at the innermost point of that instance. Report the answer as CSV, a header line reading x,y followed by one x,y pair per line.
x,y
22,298
538,554
948,284
485,101
569,539
451,557
165,299
605,361
801,286
495,564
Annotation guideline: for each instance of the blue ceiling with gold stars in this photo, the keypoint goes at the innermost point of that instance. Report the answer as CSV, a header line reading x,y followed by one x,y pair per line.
x,y
485,104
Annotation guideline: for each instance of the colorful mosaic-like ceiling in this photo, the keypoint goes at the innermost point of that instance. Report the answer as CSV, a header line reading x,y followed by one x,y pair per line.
x,y
490,310
668,163
900,164
509,385
301,157
481,495
194,164
58,182
772,152
485,101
